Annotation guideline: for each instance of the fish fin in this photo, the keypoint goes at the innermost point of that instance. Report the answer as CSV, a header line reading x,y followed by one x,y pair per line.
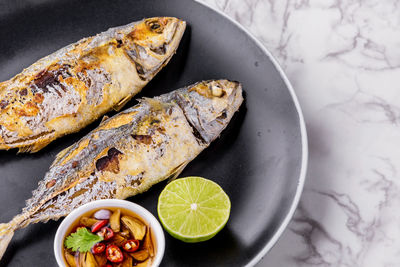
x,y
32,148
122,103
105,117
6,234
60,155
155,104
34,143
177,171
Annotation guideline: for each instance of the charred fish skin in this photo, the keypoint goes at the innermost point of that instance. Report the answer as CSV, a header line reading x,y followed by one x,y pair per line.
x,y
69,89
131,151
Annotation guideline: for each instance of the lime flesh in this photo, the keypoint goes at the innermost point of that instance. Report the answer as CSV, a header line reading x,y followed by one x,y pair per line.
x,y
193,209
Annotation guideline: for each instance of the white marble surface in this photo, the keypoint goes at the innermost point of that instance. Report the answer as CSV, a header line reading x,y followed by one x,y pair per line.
x,y
343,59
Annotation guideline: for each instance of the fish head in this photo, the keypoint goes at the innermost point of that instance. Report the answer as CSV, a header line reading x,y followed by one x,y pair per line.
x,y
152,42
209,106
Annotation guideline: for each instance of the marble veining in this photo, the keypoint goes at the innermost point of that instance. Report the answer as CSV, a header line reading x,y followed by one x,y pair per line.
x,y
343,60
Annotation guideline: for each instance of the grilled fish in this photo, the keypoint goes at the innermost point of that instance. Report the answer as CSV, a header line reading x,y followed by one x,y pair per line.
x,y
69,89
131,151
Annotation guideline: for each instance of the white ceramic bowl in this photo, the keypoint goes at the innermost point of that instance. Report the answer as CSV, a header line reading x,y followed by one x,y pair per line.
x,y
116,203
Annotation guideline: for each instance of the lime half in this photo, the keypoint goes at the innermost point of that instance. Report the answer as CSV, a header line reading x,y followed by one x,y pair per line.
x,y
193,209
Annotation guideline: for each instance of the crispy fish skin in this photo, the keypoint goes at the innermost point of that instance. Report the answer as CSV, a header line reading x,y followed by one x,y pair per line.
x,y
131,151
69,89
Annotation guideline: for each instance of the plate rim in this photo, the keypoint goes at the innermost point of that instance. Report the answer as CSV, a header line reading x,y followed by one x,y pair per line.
x,y
303,133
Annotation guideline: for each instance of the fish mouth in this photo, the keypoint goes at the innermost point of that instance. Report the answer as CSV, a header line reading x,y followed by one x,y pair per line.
x,y
171,45
172,32
178,29
209,106
234,99
152,57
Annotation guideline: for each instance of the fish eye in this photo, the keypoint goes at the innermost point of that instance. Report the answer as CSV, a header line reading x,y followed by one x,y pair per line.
x,y
155,26
216,90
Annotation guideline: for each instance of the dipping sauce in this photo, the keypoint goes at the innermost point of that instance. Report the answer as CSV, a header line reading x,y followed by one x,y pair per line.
x,y
121,238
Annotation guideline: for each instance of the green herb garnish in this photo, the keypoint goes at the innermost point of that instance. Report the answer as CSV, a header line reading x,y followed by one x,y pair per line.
x,y
82,240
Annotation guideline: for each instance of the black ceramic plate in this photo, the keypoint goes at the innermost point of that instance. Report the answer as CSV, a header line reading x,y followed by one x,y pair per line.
x,y
259,160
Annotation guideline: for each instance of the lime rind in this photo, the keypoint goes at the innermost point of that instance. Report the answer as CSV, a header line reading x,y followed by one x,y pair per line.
x,y
197,223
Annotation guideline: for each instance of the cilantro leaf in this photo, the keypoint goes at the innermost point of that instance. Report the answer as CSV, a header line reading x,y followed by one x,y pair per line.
x,y
82,240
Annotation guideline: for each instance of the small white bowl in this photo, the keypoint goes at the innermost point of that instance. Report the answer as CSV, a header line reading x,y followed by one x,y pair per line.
x,y
111,203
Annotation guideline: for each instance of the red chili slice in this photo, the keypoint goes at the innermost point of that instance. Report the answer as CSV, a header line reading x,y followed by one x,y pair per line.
x,y
131,245
114,254
106,233
98,225
98,248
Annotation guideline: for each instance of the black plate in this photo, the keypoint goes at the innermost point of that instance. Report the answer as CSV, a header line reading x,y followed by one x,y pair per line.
x,y
259,160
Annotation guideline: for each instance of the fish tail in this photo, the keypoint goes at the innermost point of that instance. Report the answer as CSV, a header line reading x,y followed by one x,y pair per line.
x,y
6,234
7,231
175,173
